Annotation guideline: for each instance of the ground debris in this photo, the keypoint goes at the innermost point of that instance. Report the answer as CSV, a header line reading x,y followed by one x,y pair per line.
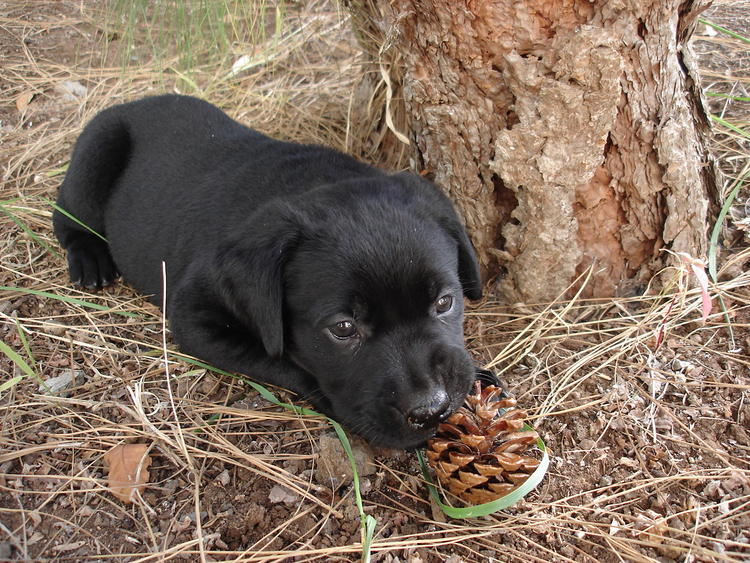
x,y
648,457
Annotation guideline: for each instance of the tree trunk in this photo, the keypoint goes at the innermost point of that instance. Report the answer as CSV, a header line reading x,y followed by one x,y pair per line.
x,y
570,133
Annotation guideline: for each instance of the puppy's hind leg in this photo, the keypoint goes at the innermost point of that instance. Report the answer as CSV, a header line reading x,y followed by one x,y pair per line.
x,y
99,157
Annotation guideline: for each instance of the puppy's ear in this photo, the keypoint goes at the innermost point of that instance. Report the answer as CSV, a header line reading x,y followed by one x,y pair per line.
x,y
440,208
468,266
250,266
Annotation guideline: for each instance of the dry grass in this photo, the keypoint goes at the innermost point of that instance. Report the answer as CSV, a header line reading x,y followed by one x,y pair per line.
x,y
650,444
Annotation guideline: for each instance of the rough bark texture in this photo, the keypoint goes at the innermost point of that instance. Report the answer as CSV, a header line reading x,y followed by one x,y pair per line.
x,y
569,132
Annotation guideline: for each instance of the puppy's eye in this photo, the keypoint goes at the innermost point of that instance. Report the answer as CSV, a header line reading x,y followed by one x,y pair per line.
x,y
444,304
343,330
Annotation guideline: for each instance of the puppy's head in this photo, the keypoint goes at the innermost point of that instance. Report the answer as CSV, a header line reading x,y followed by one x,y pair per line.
x,y
370,304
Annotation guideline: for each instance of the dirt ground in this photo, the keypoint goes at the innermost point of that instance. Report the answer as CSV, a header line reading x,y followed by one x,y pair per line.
x,y
649,445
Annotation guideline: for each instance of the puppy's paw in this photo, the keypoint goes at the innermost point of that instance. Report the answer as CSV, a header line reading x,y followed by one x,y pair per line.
x,y
90,263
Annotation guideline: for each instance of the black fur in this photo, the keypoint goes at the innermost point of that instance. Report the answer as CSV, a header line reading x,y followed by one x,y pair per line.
x,y
269,248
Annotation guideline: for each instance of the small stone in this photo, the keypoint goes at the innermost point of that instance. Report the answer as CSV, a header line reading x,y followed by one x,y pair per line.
x,y
713,490
235,528
587,444
333,468
365,486
718,547
202,514
61,384
170,487
71,91
223,478
254,515
282,494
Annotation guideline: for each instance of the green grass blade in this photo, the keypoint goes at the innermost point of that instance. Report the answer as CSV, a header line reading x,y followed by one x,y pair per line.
x,y
19,361
68,299
489,507
724,30
728,125
188,374
57,171
728,96
279,22
189,81
25,228
25,342
714,245
10,383
27,348
210,421
716,231
368,532
367,523
72,218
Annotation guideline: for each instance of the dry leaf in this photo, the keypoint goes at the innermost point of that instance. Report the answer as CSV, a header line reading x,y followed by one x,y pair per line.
x,y
650,527
698,268
128,470
615,527
68,546
24,99
34,516
36,537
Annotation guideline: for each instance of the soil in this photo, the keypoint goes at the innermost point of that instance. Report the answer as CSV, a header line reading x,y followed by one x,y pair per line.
x,y
649,443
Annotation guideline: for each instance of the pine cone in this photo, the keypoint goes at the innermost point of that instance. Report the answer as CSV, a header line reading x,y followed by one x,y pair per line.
x,y
478,453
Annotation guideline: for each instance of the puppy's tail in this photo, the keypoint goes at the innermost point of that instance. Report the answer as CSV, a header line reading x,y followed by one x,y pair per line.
x,y
99,157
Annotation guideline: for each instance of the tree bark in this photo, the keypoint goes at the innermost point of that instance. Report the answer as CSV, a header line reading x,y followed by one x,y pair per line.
x,y
570,133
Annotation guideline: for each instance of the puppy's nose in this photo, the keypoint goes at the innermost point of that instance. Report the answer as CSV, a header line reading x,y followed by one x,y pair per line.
x,y
432,412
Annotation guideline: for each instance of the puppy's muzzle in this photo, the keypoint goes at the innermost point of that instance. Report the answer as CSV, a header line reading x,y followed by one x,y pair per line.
x,y
431,412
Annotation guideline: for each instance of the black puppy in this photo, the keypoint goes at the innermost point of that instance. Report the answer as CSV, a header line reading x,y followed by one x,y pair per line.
x,y
293,264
